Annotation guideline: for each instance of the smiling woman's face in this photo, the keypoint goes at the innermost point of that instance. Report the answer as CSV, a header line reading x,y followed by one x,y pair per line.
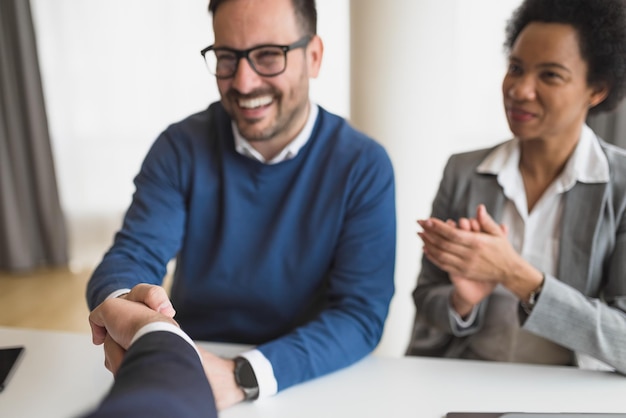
x,y
545,89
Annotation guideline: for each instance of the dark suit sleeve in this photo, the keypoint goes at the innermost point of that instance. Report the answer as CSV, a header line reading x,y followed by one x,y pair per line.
x,y
161,376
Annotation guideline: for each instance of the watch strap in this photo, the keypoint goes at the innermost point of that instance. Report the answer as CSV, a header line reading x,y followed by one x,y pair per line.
x,y
533,297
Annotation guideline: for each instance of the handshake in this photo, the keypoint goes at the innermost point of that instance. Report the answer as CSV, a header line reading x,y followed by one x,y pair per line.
x,y
118,322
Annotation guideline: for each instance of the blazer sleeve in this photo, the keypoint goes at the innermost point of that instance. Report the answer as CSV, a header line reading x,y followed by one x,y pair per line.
x,y
432,294
161,376
581,323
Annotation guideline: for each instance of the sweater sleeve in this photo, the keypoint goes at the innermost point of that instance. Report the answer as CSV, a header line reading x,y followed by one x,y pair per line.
x,y
153,226
360,283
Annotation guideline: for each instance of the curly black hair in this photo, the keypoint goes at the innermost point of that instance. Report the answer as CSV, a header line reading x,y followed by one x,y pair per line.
x,y
601,29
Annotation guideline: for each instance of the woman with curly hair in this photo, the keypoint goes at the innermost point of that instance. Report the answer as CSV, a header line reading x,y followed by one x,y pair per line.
x,y
525,251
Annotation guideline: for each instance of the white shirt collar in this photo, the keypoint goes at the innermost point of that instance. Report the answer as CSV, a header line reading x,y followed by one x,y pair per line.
x,y
588,164
243,146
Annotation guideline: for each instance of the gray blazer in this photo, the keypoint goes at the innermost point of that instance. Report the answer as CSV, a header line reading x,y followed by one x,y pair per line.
x,y
583,309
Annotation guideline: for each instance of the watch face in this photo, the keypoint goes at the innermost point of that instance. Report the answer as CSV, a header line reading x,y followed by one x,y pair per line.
x,y
244,375
246,379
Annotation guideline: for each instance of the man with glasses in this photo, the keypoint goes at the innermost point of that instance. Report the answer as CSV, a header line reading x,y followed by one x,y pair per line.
x,y
281,215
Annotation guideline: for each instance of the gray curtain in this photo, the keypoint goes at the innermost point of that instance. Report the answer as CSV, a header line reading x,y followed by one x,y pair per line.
x,y
32,228
611,126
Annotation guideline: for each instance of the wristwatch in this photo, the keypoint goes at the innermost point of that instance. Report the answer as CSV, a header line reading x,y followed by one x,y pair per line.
x,y
245,378
533,297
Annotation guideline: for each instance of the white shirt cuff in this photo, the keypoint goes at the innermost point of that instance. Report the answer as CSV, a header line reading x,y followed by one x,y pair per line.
x,y
118,293
464,323
164,326
586,362
263,371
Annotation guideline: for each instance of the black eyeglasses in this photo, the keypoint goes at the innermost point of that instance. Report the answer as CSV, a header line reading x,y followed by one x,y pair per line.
x,y
265,60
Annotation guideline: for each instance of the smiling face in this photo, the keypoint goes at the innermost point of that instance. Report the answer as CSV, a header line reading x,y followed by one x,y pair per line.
x,y
545,90
267,109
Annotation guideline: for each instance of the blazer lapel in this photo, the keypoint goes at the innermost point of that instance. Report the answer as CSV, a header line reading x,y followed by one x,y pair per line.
x,y
581,214
484,189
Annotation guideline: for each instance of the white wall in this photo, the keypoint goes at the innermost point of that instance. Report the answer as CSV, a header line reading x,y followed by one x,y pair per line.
x,y
425,82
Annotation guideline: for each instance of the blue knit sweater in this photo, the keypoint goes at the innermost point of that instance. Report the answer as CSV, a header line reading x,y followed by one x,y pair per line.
x,y
296,257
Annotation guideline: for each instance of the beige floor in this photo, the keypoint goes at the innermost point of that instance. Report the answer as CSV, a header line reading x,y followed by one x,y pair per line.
x,y
47,299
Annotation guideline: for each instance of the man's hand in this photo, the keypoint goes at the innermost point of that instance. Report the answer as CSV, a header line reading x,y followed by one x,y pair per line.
x,y
113,354
153,296
115,322
221,375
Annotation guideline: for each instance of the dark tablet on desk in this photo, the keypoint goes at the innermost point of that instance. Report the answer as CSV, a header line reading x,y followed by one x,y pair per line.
x,y
8,361
533,415
563,415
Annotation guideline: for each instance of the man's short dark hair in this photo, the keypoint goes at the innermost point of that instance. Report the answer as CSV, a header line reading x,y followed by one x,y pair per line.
x,y
306,12
601,29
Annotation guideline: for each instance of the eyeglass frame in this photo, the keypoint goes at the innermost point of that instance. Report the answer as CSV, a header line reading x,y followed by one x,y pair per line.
x,y
245,53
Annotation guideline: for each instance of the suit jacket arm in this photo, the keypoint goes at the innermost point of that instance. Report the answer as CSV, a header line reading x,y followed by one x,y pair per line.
x,y
161,376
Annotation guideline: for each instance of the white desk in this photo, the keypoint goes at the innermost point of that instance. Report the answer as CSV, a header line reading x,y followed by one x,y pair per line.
x,y
62,375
